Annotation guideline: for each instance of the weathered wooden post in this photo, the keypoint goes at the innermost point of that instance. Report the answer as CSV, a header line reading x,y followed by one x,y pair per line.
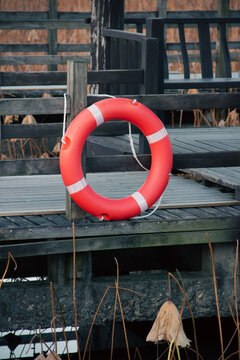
x,y
223,11
77,90
162,8
104,14
149,46
221,70
60,267
52,34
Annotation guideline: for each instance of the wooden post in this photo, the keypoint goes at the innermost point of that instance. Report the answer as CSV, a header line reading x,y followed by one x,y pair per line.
x,y
83,266
162,8
104,14
150,66
77,89
52,34
223,11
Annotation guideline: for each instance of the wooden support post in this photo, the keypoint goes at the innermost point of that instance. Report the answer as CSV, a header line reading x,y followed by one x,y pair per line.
x,y
57,269
104,14
77,90
162,8
149,46
52,34
223,11
83,266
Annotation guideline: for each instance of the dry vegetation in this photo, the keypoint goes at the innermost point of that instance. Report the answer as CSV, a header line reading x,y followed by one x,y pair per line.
x,y
167,327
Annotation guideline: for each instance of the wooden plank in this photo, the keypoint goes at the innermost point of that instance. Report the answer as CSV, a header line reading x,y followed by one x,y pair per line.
x,y
33,106
60,78
182,102
229,177
206,83
112,76
43,24
117,242
31,131
43,47
127,35
40,60
119,163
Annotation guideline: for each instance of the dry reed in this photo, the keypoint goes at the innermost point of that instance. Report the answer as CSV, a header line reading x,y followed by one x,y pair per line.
x,y
7,266
216,296
74,291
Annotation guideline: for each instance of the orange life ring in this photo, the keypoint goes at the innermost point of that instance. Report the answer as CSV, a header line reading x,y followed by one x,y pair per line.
x,y
70,158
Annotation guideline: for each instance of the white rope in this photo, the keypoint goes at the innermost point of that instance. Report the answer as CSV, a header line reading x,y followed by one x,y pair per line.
x,y
64,117
152,212
133,149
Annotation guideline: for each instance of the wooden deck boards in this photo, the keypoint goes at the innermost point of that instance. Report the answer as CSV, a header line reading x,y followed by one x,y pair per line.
x,y
45,194
226,176
184,140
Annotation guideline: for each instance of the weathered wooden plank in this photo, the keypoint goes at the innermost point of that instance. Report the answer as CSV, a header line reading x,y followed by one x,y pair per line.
x,y
59,78
33,106
115,76
43,47
117,242
229,177
40,60
182,102
44,24
127,35
31,131
119,163
206,83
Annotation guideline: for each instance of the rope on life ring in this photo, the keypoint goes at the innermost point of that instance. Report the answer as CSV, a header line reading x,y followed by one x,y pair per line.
x,y
71,151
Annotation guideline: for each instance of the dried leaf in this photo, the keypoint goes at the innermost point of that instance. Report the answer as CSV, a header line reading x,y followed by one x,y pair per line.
x,y
166,326
53,356
193,91
233,118
29,120
40,357
56,149
44,155
221,123
3,157
46,95
10,119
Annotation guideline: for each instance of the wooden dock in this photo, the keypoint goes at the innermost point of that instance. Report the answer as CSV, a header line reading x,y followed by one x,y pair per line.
x,y
46,194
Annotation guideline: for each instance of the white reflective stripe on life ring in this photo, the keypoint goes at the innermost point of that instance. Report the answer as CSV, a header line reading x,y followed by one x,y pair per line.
x,y
94,110
140,200
159,135
79,185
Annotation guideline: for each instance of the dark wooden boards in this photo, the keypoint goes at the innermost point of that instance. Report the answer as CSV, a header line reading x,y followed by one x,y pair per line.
x,y
226,176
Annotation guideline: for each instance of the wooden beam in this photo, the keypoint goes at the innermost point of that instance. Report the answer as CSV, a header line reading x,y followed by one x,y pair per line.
x,y
33,106
43,24
38,248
